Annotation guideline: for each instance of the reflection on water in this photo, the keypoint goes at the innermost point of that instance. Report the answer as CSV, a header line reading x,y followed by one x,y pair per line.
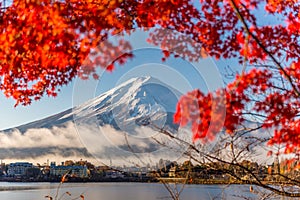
x,y
117,191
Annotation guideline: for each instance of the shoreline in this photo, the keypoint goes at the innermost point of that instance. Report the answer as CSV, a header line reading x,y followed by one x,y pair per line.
x,y
147,180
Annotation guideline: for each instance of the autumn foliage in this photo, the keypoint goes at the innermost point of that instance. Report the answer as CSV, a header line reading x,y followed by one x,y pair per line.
x,y
44,45
269,91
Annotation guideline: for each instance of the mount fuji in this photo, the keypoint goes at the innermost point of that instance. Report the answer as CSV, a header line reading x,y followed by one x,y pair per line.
x,y
118,124
136,102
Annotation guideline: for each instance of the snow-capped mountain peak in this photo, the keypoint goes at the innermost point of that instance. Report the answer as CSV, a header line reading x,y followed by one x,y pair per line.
x,y
124,107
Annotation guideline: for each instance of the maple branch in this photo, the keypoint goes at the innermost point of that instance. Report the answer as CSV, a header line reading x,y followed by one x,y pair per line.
x,y
253,114
211,157
132,150
281,68
256,181
3,8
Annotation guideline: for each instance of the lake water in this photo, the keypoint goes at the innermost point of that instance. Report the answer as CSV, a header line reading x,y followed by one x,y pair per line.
x,y
120,191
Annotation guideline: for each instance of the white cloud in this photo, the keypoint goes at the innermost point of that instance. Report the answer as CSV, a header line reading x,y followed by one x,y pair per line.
x,y
69,142
42,137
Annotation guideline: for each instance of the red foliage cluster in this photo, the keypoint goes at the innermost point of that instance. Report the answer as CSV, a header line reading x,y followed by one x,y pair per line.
x,y
222,110
44,44
230,29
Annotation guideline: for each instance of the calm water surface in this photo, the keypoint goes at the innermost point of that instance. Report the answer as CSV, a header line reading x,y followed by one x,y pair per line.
x,y
116,191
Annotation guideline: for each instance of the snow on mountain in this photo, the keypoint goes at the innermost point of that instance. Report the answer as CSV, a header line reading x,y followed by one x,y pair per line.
x,y
133,103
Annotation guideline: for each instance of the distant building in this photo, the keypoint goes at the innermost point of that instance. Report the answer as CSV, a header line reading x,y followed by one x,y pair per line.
x,y
18,168
75,171
113,174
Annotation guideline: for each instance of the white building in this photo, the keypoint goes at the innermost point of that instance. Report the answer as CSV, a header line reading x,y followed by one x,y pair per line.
x,y
18,168
76,171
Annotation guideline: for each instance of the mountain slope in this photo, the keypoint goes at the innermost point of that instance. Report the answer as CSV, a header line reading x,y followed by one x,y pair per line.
x,y
131,104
